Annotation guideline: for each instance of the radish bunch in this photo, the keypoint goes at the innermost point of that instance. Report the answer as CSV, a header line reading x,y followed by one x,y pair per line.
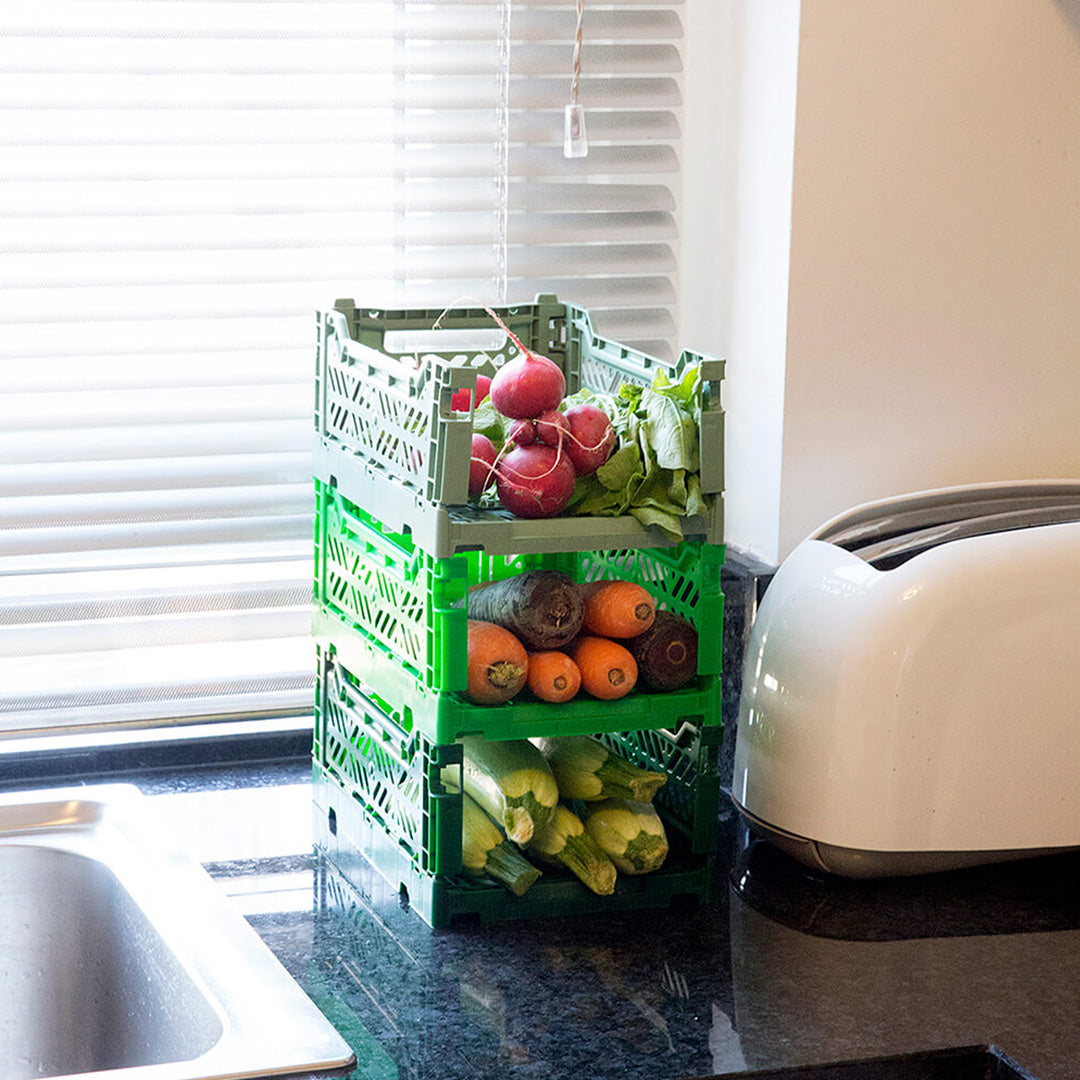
x,y
548,449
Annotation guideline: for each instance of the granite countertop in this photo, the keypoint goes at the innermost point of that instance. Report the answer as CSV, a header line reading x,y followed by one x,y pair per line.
x,y
783,969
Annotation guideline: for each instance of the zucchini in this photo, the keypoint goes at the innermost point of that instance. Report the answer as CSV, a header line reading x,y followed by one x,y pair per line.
x,y
511,781
585,769
485,852
563,841
630,833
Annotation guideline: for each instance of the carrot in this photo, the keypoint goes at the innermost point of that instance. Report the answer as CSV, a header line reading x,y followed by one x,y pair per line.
x,y
553,676
617,609
541,608
498,664
608,669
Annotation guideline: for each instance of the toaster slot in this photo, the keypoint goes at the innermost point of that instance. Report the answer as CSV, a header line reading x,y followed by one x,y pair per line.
x,y
887,553
889,518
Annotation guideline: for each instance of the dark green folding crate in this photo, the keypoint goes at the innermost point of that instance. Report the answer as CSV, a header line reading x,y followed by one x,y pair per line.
x,y
380,796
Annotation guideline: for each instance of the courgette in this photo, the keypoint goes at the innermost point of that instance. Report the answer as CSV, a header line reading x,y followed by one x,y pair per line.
x,y
563,841
485,852
585,769
512,782
630,833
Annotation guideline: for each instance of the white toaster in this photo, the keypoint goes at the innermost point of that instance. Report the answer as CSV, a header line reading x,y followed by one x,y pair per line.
x,y
911,686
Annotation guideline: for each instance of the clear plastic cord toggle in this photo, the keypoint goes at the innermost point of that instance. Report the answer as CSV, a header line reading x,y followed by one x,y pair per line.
x,y
575,143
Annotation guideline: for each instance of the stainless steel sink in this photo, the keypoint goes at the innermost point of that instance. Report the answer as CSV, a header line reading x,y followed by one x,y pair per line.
x,y
122,959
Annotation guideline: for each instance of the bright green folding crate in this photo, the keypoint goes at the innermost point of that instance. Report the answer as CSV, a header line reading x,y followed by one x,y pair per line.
x,y
398,618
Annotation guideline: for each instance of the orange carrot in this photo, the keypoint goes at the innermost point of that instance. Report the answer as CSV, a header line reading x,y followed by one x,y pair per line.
x,y
498,664
553,676
617,609
608,669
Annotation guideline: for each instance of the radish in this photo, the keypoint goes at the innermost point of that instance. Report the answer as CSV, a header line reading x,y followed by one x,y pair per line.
x,y
591,439
535,481
481,464
523,432
459,400
527,386
552,428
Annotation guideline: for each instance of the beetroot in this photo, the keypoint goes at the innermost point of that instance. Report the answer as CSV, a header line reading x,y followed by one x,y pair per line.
x,y
523,432
535,481
592,438
526,386
459,400
552,428
483,458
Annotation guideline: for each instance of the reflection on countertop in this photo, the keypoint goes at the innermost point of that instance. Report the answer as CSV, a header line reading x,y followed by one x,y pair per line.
x,y
807,975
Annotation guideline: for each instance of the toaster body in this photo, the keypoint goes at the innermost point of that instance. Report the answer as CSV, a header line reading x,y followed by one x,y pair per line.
x,y
911,687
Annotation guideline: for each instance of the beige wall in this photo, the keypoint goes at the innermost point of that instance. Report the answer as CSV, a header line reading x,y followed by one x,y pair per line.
x,y
932,302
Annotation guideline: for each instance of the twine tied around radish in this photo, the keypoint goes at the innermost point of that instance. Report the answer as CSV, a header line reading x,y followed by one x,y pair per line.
x,y
526,388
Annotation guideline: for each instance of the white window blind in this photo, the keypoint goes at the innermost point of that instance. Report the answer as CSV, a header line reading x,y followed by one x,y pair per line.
x,y
182,183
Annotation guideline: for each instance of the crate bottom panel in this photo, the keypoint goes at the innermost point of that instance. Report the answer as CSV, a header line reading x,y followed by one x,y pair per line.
x,y
446,716
444,530
355,844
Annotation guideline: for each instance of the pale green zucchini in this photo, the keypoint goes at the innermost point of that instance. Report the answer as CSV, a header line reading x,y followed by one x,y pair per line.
x,y
630,833
563,841
485,852
585,769
511,781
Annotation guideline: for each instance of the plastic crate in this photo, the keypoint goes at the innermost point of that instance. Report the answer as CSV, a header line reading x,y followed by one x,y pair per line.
x,y
398,618
379,791
387,436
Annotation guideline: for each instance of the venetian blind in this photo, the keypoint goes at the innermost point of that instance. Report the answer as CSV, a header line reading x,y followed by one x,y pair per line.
x,y
182,183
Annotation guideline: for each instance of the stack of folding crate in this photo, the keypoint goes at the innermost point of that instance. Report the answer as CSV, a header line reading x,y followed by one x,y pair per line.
x,y
397,549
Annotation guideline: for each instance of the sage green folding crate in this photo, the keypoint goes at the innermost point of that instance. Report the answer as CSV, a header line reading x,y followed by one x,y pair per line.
x,y
387,436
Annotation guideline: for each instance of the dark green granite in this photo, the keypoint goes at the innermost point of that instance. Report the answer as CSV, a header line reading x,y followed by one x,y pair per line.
x,y
789,970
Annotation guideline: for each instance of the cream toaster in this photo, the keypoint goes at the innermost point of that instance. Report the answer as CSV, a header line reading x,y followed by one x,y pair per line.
x,y
911,684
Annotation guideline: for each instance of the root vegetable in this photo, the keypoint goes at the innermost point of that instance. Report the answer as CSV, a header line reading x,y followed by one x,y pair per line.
x,y
553,676
535,481
460,399
553,429
617,609
608,669
481,464
592,438
523,432
667,653
498,664
541,608
526,386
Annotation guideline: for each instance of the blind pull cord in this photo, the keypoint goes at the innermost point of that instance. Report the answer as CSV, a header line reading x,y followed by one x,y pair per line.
x,y
575,143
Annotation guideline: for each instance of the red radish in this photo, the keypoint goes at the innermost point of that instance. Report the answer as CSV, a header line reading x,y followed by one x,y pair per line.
x,y
527,386
459,400
592,438
535,481
523,432
481,471
552,428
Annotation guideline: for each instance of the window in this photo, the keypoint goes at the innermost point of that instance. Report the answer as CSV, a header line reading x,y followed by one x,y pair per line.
x,y
183,183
